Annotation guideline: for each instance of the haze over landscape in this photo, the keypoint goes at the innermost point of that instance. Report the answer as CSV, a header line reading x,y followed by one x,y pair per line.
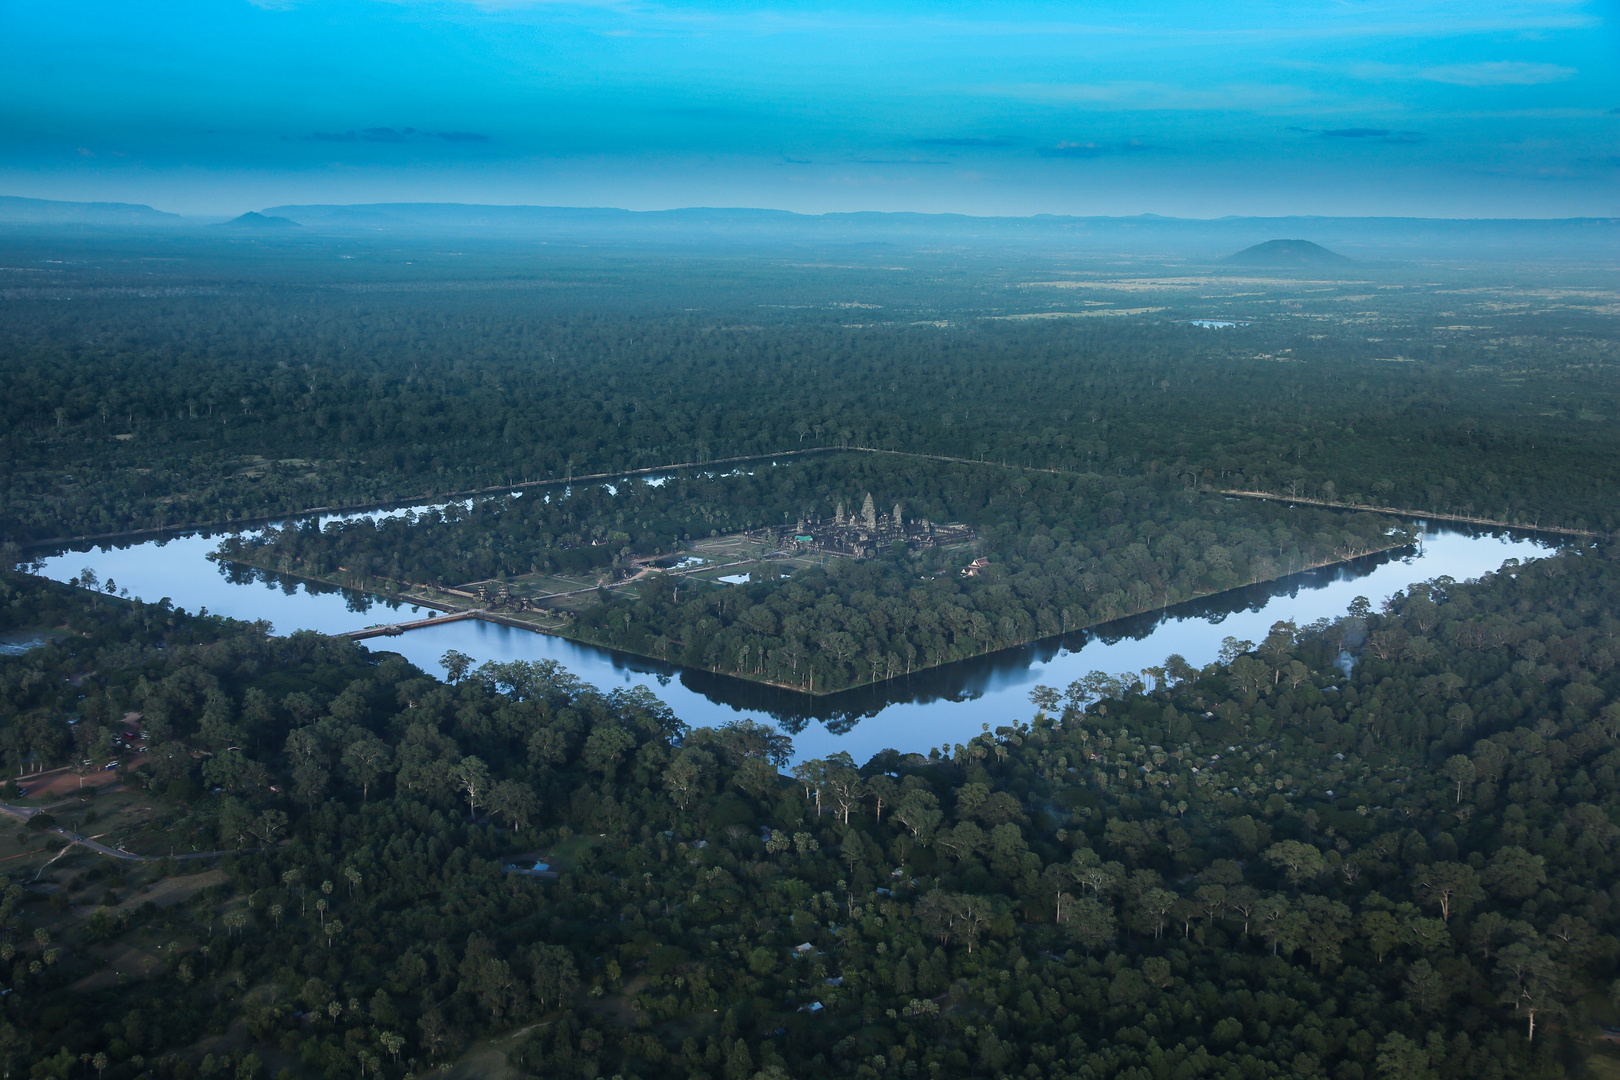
x,y
734,542
1504,108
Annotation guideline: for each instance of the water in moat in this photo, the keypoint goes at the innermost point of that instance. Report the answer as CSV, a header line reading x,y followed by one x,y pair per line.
x,y
940,706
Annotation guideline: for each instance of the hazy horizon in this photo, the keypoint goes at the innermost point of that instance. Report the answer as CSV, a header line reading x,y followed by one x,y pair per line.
x,y
274,208
1508,110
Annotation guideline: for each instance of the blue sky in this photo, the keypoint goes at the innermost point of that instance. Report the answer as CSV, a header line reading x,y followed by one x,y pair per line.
x,y
1457,108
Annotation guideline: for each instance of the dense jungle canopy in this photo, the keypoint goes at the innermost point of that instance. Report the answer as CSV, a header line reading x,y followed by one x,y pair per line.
x,y
1259,868
1380,846
146,391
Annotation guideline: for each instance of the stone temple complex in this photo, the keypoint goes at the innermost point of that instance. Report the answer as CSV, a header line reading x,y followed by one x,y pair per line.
x,y
862,535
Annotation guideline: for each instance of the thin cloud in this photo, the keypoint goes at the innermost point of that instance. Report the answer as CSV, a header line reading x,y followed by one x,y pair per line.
x,y
392,135
1092,149
963,143
1421,20
515,5
1153,95
1074,150
708,112
1480,74
1498,73
1383,135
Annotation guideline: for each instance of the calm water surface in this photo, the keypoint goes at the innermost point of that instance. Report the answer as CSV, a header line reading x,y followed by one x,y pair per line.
x,y
941,706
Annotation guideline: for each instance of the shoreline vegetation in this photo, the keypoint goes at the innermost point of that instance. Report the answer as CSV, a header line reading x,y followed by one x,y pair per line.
x,y
1270,863
1493,523
988,650
705,570
518,621
431,498
408,501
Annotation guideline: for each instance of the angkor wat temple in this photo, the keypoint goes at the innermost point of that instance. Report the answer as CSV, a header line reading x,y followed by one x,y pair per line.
x,y
862,535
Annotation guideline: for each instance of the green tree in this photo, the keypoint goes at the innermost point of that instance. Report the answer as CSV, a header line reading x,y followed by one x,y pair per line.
x,y
515,801
1451,887
1301,862
1400,1058
472,777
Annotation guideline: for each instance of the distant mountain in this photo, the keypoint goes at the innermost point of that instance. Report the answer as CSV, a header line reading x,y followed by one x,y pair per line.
x,y
475,217
1208,240
1288,253
20,211
1201,241
254,220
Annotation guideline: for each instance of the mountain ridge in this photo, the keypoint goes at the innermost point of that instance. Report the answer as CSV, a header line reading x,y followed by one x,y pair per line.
x,y
1202,240
255,220
397,210
15,209
1300,253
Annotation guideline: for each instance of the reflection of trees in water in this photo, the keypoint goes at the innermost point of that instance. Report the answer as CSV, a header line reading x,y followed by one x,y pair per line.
x,y
966,680
354,600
